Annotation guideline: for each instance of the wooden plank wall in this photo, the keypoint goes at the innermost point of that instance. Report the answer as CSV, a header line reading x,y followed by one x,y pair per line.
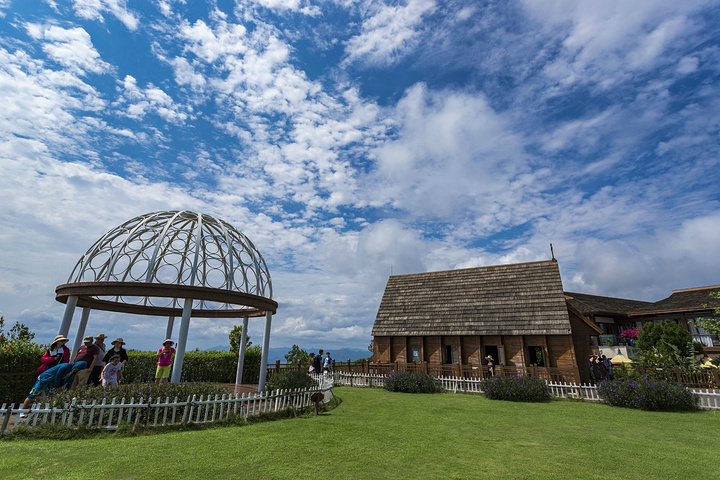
x,y
581,344
514,355
433,354
471,350
381,349
398,350
560,350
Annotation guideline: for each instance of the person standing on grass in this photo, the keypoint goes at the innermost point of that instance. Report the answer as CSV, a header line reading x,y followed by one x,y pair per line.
x,y
591,367
112,372
318,362
89,354
99,363
311,367
164,356
55,377
327,363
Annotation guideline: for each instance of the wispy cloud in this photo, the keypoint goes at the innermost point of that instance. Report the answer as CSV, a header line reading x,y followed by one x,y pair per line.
x,y
96,10
389,32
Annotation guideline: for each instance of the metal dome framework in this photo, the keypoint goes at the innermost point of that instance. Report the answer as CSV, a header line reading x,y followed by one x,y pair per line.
x,y
147,264
172,263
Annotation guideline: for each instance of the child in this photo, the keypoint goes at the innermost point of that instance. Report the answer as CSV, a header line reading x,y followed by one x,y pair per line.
x,y
112,373
165,356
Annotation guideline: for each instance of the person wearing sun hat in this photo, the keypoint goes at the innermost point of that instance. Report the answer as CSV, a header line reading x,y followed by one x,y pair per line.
x,y
491,365
164,356
89,354
55,354
98,367
116,350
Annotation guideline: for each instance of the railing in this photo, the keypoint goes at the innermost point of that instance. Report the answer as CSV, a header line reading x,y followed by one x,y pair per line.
x,y
156,413
549,374
707,399
705,378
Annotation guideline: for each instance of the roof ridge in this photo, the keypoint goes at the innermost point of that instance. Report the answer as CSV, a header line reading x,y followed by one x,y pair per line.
x,y
696,289
486,267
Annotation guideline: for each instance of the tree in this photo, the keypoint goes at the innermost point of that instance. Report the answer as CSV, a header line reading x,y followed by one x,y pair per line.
x,y
712,325
18,333
665,344
296,354
236,337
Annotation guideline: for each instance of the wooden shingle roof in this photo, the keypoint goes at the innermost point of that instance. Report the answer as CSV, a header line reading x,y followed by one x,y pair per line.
x,y
517,299
599,305
687,300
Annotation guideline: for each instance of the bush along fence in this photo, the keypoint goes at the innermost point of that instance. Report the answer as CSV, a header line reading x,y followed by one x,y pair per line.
x,y
707,399
160,412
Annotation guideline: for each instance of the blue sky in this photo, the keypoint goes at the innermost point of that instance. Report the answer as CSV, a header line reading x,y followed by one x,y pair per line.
x,y
348,139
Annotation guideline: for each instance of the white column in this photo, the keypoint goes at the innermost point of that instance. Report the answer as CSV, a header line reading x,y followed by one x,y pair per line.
x,y
266,347
168,332
80,332
68,315
241,353
182,341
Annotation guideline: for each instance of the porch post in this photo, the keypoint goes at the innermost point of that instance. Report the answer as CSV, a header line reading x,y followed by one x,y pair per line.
x,y
68,315
168,332
80,331
266,347
182,341
241,353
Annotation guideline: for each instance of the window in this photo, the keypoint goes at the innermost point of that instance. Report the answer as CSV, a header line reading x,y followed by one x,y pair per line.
x,y
535,356
415,354
699,334
449,353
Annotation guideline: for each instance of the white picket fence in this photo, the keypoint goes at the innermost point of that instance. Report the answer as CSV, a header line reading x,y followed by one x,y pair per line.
x,y
707,399
159,412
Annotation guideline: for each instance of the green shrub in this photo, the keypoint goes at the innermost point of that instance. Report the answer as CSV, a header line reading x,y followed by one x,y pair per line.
x,y
290,381
515,388
408,382
19,361
211,366
647,394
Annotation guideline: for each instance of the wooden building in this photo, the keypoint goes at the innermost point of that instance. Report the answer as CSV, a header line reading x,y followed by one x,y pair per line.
x,y
518,314
613,315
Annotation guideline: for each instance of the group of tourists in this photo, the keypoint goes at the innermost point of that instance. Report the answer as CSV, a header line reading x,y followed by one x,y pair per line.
x,y
95,355
320,365
92,364
600,368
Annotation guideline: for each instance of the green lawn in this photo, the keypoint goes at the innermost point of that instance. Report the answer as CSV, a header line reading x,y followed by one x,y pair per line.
x,y
374,434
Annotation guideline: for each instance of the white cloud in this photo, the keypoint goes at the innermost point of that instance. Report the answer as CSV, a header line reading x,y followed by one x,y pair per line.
x,y
389,33
95,10
603,42
452,158
141,101
688,65
71,48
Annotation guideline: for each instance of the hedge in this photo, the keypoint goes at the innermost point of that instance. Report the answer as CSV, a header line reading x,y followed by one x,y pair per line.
x,y
19,368
19,362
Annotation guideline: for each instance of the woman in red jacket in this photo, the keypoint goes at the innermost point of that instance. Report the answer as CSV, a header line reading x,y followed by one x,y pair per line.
x,y
56,354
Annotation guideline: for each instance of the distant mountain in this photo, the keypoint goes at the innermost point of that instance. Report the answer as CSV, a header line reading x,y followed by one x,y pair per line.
x,y
278,353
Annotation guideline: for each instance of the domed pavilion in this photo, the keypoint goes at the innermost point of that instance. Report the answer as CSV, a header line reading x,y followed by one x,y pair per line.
x,y
173,264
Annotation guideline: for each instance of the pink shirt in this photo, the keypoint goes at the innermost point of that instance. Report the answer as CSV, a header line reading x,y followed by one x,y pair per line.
x,y
165,357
